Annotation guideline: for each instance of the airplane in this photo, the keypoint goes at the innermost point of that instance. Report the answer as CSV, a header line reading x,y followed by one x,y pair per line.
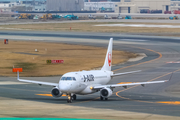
x,y
88,82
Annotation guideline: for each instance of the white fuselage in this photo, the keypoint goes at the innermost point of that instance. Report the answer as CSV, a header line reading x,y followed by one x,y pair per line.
x,y
81,82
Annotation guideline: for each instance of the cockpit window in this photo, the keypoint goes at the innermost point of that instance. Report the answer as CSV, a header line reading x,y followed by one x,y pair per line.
x,y
68,78
63,78
74,78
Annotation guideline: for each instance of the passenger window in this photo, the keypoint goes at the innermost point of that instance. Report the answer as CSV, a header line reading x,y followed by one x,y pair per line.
x,y
68,78
74,78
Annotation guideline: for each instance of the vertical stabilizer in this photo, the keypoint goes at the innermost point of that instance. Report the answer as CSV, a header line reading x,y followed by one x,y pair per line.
x,y
108,59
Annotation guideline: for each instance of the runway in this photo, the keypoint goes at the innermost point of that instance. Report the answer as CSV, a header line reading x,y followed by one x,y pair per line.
x,y
157,101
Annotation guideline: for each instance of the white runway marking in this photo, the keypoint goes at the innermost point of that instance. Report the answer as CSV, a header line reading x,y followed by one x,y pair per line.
x,y
139,25
20,38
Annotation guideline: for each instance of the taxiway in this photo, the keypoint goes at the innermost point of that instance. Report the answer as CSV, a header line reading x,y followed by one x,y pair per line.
x,y
157,101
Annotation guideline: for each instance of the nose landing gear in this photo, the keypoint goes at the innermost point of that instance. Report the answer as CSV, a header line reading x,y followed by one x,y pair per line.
x,y
70,98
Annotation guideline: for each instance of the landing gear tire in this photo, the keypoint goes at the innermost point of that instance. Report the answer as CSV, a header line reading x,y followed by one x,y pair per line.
x,y
74,97
101,98
69,101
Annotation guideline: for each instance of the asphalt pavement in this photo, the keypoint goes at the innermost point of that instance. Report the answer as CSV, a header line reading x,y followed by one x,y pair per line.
x,y
157,101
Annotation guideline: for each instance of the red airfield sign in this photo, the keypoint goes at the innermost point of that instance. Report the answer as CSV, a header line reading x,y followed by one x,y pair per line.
x,y
57,61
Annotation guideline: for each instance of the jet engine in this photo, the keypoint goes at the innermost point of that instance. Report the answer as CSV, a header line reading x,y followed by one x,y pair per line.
x,y
56,92
106,92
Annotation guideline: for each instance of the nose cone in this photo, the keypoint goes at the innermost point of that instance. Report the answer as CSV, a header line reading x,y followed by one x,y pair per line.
x,y
64,86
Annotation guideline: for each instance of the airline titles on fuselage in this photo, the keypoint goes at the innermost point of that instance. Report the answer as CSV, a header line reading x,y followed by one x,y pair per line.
x,y
88,78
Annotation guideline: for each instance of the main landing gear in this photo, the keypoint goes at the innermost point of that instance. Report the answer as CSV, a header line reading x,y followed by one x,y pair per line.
x,y
70,98
74,97
102,98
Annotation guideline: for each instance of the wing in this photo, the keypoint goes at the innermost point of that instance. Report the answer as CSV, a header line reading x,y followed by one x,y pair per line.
x,y
118,74
125,85
37,82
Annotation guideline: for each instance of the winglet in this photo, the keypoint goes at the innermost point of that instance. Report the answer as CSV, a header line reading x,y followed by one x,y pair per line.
x,y
17,70
17,75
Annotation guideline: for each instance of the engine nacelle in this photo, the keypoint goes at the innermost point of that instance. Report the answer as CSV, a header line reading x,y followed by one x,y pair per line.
x,y
56,92
106,92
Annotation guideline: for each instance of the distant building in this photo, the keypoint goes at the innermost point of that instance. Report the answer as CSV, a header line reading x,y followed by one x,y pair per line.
x,y
132,6
100,5
139,6
9,7
18,1
65,5
35,5
22,5
41,7
175,5
102,0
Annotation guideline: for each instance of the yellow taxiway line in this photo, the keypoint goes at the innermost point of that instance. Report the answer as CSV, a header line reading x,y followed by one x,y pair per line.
x,y
50,95
170,102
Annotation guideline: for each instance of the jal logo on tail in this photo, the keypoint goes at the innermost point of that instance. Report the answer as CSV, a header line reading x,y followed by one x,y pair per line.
x,y
109,59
